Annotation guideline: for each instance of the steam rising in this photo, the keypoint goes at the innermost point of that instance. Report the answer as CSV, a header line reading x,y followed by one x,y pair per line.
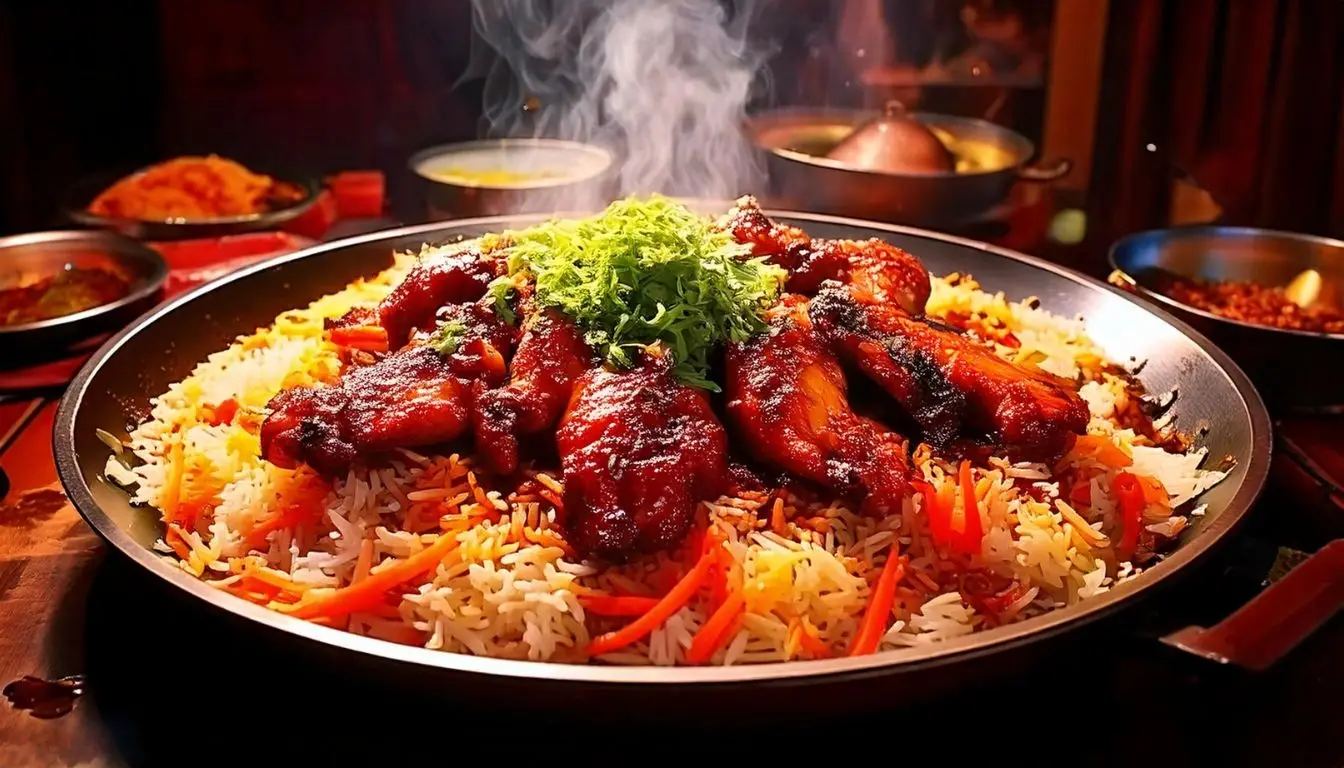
x,y
662,85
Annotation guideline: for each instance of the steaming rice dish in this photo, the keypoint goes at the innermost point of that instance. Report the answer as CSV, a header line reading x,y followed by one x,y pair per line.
x,y
651,437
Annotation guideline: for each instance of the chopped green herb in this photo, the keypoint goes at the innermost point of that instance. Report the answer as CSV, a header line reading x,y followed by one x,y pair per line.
x,y
448,337
500,289
647,271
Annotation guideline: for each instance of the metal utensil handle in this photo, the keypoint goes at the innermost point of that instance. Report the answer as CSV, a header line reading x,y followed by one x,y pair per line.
x,y
1052,172
1277,620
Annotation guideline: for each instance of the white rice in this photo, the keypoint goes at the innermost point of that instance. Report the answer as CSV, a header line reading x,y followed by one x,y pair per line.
x,y
512,590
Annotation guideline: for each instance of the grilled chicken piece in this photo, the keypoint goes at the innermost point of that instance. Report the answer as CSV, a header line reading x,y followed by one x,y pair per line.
x,y
880,270
947,381
415,396
639,451
787,402
442,277
551,357
406,399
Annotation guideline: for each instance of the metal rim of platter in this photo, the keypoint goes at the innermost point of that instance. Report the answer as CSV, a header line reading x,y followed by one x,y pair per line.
x,y
1250,474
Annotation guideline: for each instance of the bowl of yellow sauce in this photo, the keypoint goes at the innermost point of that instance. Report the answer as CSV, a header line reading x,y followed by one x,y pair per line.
x,y
500,176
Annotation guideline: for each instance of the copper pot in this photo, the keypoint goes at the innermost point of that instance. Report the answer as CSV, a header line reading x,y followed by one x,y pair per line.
x,y
991,159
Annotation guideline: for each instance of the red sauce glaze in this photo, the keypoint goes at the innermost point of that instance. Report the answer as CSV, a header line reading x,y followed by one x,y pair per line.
x,y
639,451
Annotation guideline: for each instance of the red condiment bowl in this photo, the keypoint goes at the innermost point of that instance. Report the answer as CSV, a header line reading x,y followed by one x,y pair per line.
x,y
38,255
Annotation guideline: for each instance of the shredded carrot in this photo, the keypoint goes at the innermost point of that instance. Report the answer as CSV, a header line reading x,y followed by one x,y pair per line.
x,y
173,538
677,597
1153,491
971,534
777,522
290,516
370,338
172,489
273,579
874,622
716,629
934,511
811,642
221,414
400,633
369,593
618,605
1104,450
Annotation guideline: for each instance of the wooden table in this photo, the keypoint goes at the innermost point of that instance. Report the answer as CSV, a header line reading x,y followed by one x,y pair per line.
x,y
166,677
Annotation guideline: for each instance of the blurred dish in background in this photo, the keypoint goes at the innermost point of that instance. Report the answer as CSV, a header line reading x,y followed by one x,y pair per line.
x,y
59,289
192,188
187,198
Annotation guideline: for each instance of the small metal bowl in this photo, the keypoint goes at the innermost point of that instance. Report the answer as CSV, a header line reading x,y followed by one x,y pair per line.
x,y
566,175
45,253
795,142
78,198
1295,371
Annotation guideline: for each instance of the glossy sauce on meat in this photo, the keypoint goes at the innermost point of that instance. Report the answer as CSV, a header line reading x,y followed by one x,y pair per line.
x,y
551,357
787,402
407,399
455,277
639,451
948,382
880,270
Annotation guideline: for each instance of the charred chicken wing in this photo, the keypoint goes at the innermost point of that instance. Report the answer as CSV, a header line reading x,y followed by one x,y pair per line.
x,y
442,277
787,402
406,399
880,270
947,381
419,395
551,357
639,451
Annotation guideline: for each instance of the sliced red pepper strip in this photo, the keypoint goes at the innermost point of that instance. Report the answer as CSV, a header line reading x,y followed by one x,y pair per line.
x,y
1129,495
967,536
936,512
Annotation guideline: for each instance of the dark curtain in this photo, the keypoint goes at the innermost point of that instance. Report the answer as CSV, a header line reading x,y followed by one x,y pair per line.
x,y
1242,95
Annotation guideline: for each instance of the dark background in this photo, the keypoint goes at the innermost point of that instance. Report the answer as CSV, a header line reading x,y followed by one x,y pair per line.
x,y
1244,95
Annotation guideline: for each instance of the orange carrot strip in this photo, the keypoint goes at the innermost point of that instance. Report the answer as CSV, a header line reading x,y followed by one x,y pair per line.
x,y
172,489
968,539
369,592
677,597
716,629
221,414
172,538
370,338
874,622
1105,451
813,644
618,605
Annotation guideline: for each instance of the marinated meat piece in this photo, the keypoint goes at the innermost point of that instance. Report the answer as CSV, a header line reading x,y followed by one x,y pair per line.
x,y
787,403
442,277
639,452
947,381
551,357
880,270
409,398
485,341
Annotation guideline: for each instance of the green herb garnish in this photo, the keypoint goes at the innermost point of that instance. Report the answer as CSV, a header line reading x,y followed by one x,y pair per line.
x,y
448,337
500,289
647,271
